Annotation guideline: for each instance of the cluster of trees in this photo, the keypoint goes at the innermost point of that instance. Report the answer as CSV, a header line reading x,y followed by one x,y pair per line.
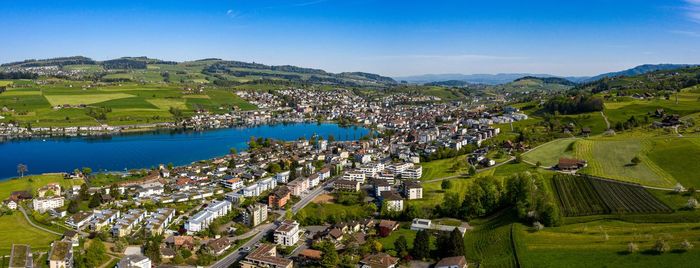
x,y
580,103
95,254
526,192
257,143
176,112
630,123
124,64
18,75
446,152
448,245
346,215
99,113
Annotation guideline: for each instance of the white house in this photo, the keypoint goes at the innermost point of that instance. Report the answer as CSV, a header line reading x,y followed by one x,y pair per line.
x,y
134,261
287,234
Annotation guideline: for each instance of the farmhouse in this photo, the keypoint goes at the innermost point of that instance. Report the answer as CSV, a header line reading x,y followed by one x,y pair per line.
x,y
571,164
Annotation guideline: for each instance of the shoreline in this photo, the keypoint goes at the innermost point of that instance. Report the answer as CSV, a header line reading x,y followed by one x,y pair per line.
x,y
168,127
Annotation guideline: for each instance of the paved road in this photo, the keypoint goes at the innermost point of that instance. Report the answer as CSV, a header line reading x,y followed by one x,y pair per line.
x,y
36,226
263,230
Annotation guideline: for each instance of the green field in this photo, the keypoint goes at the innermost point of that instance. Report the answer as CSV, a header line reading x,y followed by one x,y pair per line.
x,y
442,168
490,243
604,244
678,157
548,154
127,103
665,159
31,183
14,229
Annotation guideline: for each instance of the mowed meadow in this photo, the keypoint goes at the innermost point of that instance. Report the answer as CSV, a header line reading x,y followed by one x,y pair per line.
x,y
123,103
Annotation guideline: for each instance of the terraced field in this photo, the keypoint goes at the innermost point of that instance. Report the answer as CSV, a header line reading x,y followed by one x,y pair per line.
x,y
583,196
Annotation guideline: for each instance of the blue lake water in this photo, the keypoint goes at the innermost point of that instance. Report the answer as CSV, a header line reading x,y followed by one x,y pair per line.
x,y
145,150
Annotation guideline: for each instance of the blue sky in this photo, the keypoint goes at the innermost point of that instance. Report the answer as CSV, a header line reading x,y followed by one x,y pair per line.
x,y
386,37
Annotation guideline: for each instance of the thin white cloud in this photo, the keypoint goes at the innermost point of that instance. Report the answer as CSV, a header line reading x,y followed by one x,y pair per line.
x,y
454,57
309,3
693,10
686,33
232,13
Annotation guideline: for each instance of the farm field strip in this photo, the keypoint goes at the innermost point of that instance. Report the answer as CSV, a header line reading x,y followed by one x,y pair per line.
x,y
583,196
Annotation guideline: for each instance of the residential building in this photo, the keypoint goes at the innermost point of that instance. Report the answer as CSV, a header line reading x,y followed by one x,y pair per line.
x,y
80,219
159,220
218,246
255,214
452,262
392,200
42,204
279,198
265,256
202,219
21,257
347,185
233,183
128,222
412,190
103,218
61,255
282,177
134,261
379,260
287,234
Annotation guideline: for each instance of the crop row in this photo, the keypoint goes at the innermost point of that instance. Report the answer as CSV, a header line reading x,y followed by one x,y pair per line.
x,y
583,196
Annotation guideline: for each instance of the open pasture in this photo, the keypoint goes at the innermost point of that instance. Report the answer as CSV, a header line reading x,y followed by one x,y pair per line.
x,y
605,244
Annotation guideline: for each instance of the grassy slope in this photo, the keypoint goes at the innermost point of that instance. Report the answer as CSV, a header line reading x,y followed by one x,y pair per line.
x,y
31,183
14,229
678,157
549,153
585,245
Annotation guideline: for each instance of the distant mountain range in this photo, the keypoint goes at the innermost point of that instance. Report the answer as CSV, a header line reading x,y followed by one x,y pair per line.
x,y
503,78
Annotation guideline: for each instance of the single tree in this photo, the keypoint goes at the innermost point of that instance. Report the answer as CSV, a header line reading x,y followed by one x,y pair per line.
x,y
446,184
472,170
421,245
632,247
661,246
21,169
329,258
636,160
73,206
456,242
401,246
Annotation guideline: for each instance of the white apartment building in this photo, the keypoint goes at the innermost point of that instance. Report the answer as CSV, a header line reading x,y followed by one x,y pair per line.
x,y
45,203
287,234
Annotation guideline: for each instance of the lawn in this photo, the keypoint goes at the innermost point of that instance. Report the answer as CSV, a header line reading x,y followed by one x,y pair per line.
x,y
678,157
388,242
31,183
14,229
549,153
442,168
604,244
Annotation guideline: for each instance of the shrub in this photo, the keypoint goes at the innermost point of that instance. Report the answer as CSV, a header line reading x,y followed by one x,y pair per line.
x,y
661,246
632,247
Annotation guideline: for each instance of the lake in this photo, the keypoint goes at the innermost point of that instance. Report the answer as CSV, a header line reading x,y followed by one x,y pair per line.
x,y
145,150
